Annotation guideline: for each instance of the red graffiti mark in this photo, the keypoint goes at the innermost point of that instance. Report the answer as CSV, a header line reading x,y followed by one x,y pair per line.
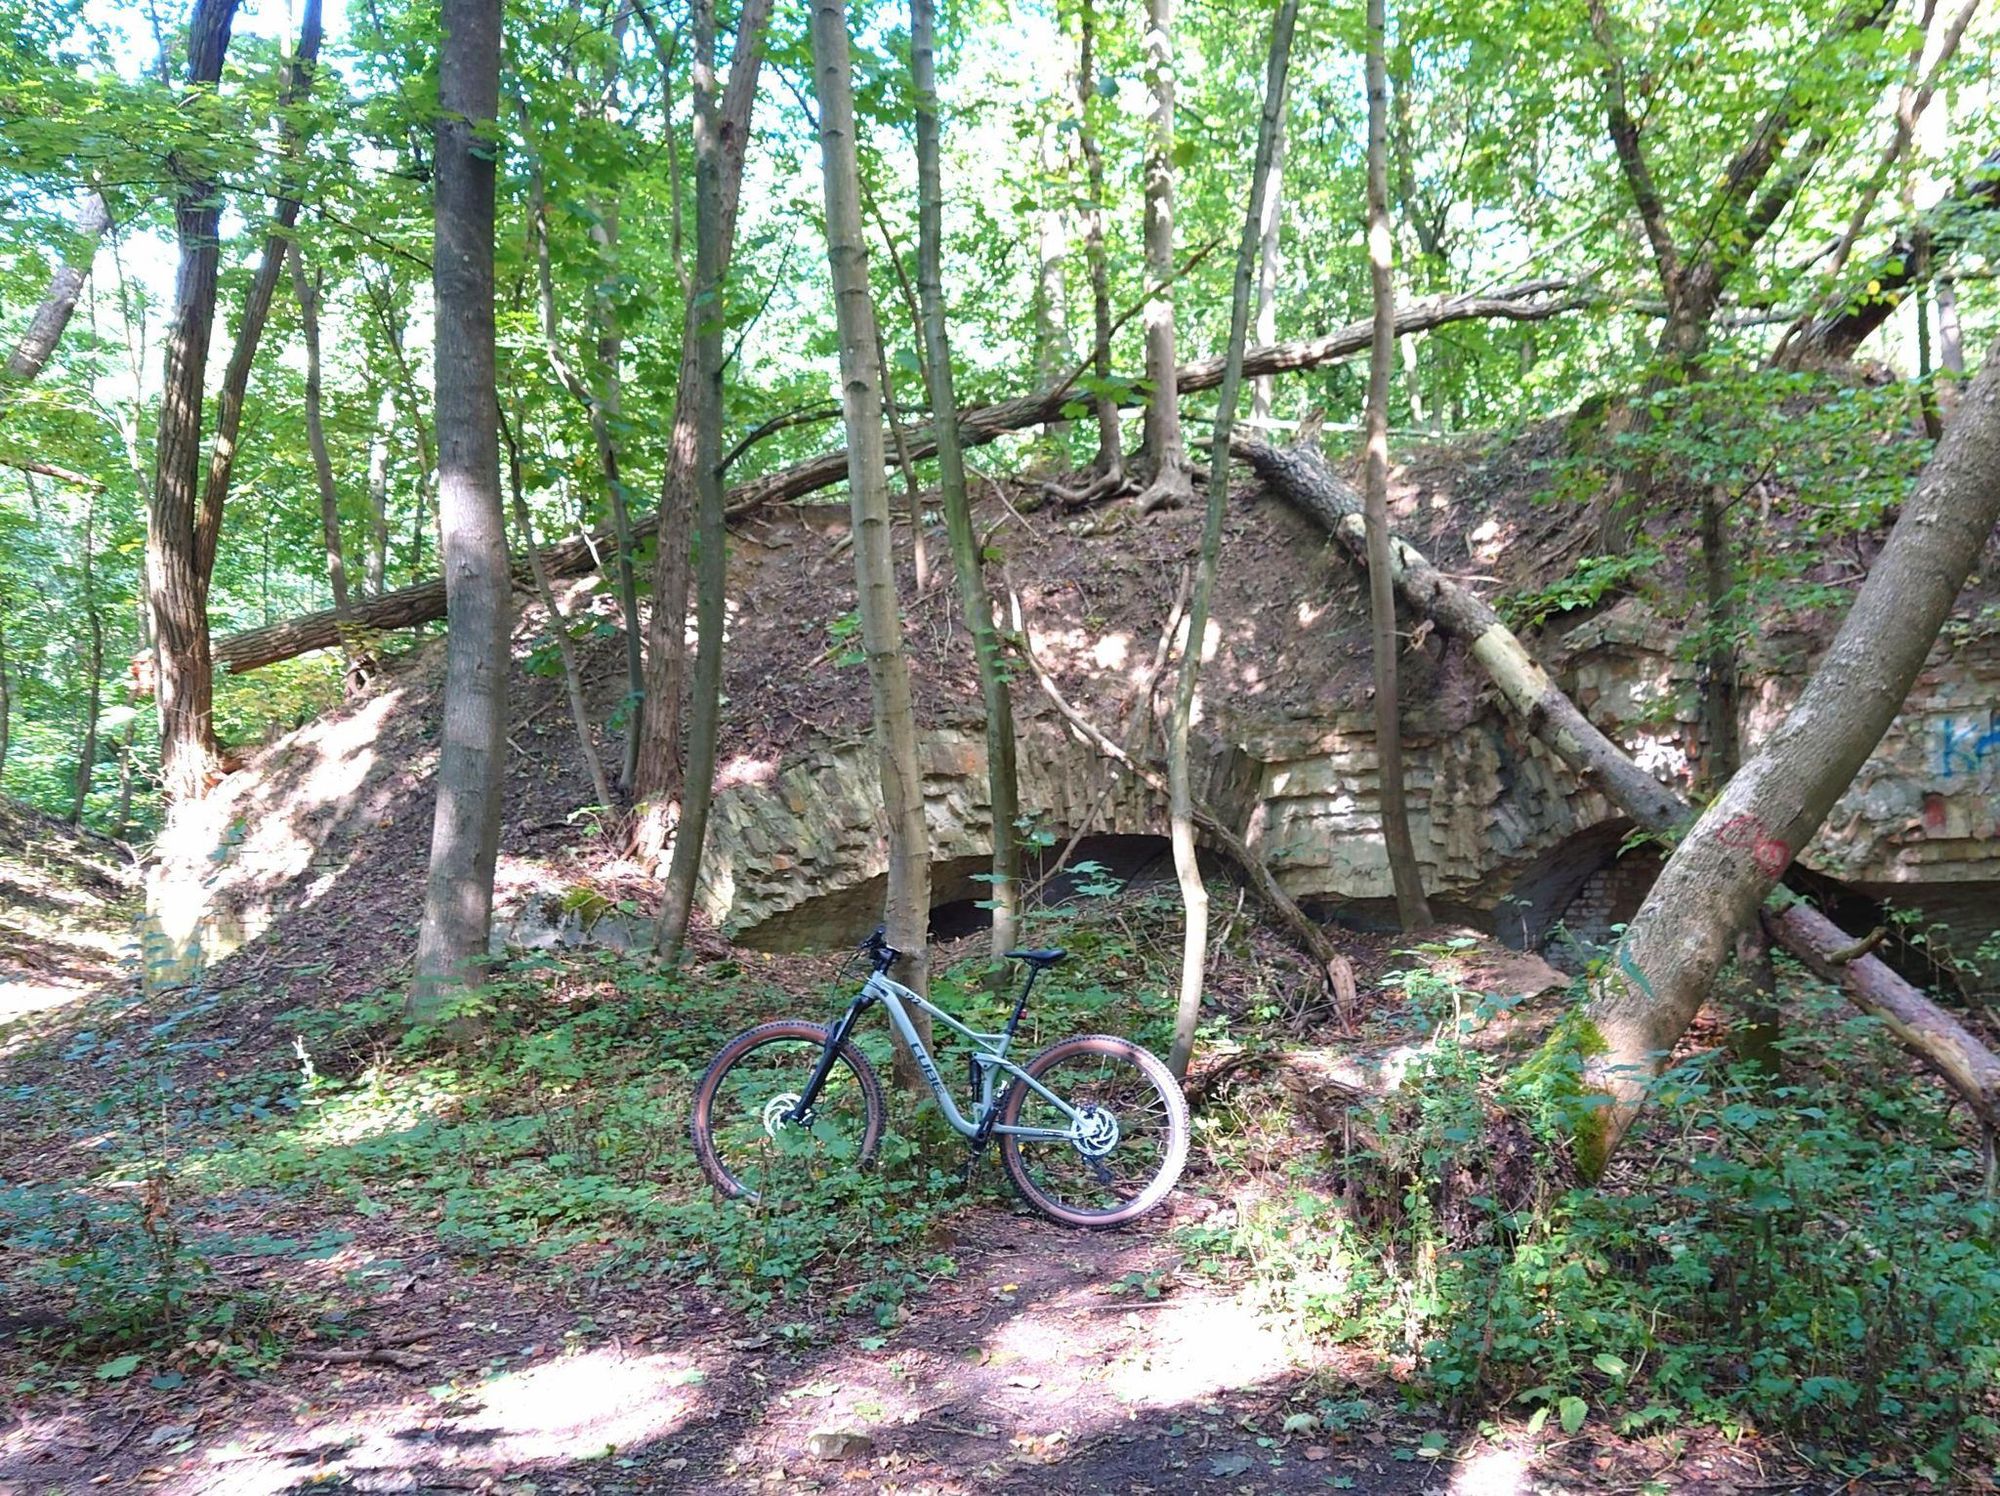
x,y
1934,815
1746,831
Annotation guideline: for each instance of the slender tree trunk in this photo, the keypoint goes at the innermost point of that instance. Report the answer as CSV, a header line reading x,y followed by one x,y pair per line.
x,y
1180,779
121,818
1412,911
907,914
1003,790
657,777
378,494
45,329
1725,866
920,556
465,834
579,707
256,311
308,292
6,689
1052,344
1270,260
1951,341
711,534
1170,486
93,666
185,691
1110,462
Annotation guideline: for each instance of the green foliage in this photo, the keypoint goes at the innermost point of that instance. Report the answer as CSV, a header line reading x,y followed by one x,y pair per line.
x,y
1816,1257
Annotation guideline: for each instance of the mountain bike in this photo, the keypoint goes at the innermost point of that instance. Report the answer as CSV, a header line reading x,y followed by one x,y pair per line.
x,y
1093,1131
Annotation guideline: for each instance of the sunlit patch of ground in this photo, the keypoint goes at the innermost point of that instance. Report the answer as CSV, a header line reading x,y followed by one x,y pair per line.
x,y
576,1408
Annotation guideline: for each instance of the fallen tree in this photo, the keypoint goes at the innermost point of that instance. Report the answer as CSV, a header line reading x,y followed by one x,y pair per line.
x,y
423,602
1303,477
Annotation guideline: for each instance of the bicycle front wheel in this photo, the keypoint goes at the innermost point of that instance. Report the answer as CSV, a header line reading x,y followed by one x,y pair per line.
x,y
744,1134
1116,1147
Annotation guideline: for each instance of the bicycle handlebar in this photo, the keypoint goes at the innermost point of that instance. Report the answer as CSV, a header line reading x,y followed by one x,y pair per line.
x,y
880,951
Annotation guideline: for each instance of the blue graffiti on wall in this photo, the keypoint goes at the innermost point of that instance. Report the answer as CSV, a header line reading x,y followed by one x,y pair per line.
x,y
1965,744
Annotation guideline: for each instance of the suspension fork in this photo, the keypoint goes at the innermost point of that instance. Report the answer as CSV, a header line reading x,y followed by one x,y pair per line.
x,y
835,1037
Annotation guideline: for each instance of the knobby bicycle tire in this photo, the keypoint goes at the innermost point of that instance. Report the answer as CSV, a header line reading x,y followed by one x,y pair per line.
x,y
702,1122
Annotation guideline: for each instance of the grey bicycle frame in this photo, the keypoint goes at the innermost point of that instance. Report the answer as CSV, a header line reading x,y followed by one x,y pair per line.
x,y
989,1056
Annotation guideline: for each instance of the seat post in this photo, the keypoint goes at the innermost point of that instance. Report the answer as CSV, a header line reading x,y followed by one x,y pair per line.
x,y
1021,1002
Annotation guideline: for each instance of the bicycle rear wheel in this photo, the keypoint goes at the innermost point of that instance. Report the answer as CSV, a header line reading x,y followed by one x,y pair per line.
x,y
742,1134
1122,1152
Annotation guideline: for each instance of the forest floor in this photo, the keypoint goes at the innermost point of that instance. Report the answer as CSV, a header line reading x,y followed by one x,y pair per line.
x,y
381,1300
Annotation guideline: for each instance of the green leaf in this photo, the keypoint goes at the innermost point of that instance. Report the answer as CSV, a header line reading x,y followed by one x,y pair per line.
x,y
1610,1365
1573,1411
118,1369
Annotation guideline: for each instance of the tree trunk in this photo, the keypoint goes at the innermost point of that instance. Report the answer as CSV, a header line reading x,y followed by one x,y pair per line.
x,y
1735,854
1951,341
378,494
1301,476
579,707
184,689
1052,343
1171,485
1003,789
1412,911
908,911
6,691
1270,261
711,533
1721,696
423,602
1180,781
657,774
465,833
256,310
45,329
1110,462
308,292
93,665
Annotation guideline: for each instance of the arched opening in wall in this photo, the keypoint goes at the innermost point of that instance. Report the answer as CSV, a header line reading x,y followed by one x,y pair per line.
x,y
1100,866
1569,902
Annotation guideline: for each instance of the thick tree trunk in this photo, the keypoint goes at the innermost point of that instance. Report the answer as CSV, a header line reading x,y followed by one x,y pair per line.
x,y
45,329
1735,854
1170,485
308,292
656,775
465,833
1110,462
1180,779
178,580
1003,790
423,602
1412,912
1302,477
711,533
907,915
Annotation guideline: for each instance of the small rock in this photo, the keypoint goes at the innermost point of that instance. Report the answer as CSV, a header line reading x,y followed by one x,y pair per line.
x,y
840,1444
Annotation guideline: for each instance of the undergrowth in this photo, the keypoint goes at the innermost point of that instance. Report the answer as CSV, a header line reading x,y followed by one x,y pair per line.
x,y
1813,1254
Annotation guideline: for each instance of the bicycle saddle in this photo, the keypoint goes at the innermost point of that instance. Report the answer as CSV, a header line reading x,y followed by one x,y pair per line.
x,y
1044,958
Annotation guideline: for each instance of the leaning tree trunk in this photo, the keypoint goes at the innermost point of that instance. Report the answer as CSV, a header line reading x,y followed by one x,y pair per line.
x,y
1171,485
711,533
465,832
1003,790
908,910
423,602
1725,866
1180,779
179,586
1412,912
1301,476
1270,261
45,329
